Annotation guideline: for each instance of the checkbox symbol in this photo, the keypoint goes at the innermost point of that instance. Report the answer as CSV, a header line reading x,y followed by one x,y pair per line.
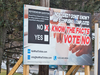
x,y
46,27
46,38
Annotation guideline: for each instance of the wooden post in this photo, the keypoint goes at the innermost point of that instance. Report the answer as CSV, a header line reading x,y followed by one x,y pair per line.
x,y
62,72
76,69
87,70
16,66
25,69
71,69
69,66
79,73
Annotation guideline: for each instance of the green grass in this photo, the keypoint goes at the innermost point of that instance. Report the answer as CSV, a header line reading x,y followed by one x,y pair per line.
x,y
3,72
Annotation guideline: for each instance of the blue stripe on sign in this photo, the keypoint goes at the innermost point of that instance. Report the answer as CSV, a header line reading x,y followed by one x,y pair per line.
x,y
29,51
28,57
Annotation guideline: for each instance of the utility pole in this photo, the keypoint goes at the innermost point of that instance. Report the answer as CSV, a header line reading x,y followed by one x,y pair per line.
x,y
45,3
44,69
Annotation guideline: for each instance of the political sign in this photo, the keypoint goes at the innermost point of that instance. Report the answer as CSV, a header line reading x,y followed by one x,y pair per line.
x,y
56,36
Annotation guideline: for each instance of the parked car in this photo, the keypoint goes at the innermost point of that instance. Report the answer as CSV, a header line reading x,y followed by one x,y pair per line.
x,y
53,66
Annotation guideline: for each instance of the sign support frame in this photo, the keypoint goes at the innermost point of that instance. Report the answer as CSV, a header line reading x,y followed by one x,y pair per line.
x,y
96,49
73,69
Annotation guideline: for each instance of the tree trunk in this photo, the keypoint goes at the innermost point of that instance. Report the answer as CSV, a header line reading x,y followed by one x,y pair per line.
x,y
83,4
7,65
3,32
44,69
0,57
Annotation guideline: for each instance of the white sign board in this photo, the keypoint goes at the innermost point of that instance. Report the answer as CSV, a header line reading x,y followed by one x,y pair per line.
x,y
56,36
